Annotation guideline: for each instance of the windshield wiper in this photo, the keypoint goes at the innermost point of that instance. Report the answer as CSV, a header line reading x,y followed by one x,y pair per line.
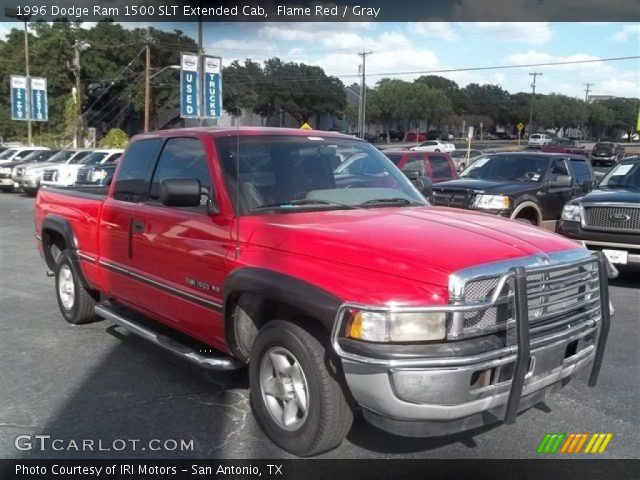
x,y
303,202
387,201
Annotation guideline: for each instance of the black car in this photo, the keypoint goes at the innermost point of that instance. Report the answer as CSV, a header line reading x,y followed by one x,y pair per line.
x,y
394,136
530,187
97,175
606,154
608,218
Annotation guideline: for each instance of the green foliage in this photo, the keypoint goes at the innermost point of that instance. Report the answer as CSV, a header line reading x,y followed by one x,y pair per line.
x,y
559,111
115,138
599,117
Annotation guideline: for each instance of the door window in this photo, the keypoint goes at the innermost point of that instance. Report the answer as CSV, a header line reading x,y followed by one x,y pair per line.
x,y
133,179
559,167
182,158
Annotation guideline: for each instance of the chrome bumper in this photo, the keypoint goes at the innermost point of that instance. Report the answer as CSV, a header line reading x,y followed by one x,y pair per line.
x,y
436,396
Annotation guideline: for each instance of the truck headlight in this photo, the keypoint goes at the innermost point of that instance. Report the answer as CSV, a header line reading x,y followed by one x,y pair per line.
x,y
571,213
492,202
98,175
385,326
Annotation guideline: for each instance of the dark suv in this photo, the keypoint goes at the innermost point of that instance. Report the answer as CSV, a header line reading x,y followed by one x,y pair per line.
x,y
608,218
528,186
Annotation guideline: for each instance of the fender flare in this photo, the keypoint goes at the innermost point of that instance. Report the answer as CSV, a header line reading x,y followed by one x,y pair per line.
x,y
63,227
528,204
305,297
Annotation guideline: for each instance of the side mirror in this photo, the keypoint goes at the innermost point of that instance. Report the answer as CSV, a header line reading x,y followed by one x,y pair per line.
x,y
180,192
412,175
561,181
425,185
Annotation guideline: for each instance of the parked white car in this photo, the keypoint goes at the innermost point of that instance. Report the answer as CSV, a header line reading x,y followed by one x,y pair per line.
x,y
538,140
435,146
65,175
28,175
17,154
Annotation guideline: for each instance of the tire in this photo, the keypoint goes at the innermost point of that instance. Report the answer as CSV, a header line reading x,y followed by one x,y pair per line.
x,y
32,192
7,189
300,355
77,305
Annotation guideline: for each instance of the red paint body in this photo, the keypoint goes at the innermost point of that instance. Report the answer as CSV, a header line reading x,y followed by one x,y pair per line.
x,y
371,256
548,148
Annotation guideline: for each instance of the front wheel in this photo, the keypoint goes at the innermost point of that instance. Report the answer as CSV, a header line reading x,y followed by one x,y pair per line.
x,y
75,302
32,192
295,390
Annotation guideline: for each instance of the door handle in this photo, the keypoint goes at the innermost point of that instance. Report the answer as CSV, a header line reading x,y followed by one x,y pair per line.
x,y
137,226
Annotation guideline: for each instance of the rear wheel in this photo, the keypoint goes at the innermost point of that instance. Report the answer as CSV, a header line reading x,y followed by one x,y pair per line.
x,y
295,392
75,302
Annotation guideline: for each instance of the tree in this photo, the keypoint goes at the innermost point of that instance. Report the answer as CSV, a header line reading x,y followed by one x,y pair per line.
x,y
390,102
448,87
489,100
625,111
559,111
300,90
243,85
115,138
599,118
429,105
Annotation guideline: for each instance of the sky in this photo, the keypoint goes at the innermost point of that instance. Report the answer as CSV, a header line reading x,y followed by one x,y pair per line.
x,y
425,47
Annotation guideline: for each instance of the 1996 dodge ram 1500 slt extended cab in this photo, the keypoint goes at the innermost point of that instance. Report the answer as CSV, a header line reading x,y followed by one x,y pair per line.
x,y
341,292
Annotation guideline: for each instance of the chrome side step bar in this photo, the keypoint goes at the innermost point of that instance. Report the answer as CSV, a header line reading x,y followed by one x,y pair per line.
x,y
169,344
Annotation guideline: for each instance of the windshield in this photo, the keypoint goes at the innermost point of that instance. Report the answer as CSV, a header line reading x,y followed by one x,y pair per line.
x,y
94,159
7,153
508,167
623,175
79,157
295,173
61,156
39,156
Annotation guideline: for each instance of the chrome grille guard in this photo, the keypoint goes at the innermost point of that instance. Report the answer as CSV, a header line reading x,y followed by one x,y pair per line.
x,y
522,349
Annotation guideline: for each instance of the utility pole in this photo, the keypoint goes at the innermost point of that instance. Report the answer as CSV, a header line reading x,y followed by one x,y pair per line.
x,y
201,76
363,94
586,91
26,63
76,70
147,82
533,94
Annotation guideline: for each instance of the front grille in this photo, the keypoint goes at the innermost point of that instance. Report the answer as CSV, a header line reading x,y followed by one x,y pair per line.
x,y
83,175
451,198
565,294
618,218
50,175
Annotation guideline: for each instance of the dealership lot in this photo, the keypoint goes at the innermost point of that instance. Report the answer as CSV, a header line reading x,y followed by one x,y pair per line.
x,y
95,382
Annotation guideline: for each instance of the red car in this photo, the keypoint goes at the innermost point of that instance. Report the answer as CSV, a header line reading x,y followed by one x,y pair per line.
x,y
564,145
416,137
438,167
338,295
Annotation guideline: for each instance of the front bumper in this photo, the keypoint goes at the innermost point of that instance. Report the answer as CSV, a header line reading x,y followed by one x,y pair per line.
x,y
430,396
26,182
597,240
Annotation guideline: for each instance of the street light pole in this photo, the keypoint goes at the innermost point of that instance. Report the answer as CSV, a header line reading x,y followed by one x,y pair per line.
x,y
147,84
26,63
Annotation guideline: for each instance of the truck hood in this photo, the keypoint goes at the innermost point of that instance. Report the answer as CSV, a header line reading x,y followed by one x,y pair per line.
x,y
423,244
617,195
488,186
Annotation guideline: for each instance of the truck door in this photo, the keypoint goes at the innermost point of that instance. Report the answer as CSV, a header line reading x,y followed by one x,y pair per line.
x,y
116,220
556,196
179,253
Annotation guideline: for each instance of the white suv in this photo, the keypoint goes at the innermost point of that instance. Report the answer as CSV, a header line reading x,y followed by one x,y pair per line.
x,y
65,175
538,140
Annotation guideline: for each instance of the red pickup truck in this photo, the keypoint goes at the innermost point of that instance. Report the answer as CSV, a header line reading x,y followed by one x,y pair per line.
x,y
342,292
564,145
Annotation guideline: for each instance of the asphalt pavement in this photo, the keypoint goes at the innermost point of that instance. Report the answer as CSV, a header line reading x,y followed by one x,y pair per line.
x,y
95,382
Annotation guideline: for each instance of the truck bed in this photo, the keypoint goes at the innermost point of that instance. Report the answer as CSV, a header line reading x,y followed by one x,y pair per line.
x,y
85,191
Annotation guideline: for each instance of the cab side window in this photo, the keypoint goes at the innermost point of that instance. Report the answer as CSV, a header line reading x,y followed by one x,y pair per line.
x,y
415,164
582,174
182,158
439,166
559,167
133,179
